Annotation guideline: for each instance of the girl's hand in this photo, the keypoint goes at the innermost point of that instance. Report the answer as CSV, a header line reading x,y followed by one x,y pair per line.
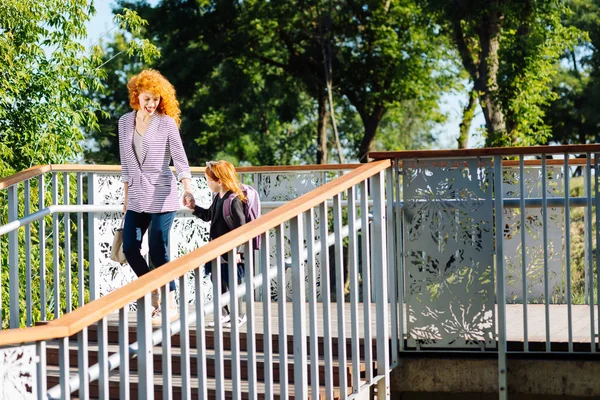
x,y
189,201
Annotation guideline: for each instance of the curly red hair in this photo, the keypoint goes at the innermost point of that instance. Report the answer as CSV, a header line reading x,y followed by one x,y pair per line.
x,y
150,80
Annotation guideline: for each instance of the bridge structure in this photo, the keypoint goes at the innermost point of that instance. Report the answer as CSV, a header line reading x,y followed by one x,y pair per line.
x,y
456,271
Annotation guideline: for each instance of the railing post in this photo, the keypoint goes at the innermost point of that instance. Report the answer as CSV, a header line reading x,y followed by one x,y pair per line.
x,y
500,282
391,254
299,308
28,277
42,239
55,246
145,356
379,268
13,258
91,238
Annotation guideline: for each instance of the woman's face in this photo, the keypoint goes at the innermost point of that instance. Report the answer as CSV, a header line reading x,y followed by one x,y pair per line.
x,y
148,102
213,185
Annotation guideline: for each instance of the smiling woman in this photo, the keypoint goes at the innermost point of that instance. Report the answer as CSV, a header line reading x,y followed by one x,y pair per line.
x,y
148,140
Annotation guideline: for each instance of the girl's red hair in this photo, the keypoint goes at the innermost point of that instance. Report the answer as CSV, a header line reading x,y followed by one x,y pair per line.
x,y
150,80
224,171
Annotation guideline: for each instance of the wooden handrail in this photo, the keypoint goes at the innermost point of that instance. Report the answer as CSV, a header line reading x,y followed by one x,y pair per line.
x,y
94,311
490,151
41,169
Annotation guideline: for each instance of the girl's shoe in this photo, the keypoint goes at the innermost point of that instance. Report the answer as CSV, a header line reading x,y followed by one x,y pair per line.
x,y
225,319
241,321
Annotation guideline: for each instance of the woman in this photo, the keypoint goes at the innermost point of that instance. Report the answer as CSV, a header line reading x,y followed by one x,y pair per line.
x,y
148,140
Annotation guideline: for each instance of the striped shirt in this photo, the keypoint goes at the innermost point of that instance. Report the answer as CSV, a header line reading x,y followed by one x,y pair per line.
x,y
152,185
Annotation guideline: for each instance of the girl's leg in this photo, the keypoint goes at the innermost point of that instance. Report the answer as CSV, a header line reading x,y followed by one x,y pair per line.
x,y
134,229
158,240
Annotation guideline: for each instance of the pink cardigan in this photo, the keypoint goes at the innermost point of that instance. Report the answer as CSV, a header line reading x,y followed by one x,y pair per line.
x,y
152,185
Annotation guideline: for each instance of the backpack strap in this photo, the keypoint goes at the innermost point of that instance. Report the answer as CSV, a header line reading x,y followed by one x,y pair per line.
x,y
227,210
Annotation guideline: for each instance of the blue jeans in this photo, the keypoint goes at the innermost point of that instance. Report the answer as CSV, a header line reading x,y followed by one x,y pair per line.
x,y
136,225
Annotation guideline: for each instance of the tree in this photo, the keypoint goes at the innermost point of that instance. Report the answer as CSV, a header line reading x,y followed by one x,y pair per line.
x,y
254,83
46,77
573,115
382,54
510,49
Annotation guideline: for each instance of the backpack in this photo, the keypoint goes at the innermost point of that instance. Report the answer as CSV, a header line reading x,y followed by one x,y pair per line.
x,y
251,210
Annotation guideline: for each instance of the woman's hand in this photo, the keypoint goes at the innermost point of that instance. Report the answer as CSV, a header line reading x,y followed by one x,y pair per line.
x,y
188,200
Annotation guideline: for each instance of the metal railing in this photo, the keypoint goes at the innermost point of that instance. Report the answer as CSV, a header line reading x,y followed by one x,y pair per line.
x,y
506,276
311,226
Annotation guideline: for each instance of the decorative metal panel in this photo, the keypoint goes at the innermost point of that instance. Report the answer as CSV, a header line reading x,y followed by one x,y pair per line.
x,y
18,373
513,245
286,187
449,258
188,232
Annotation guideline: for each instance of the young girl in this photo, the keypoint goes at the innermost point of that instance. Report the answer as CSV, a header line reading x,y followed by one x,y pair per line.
x,y
223,181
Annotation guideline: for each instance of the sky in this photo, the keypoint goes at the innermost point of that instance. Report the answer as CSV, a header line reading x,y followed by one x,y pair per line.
x,y
452,104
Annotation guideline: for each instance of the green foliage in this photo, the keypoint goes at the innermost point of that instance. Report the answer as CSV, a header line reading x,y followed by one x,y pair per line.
x,y
573,115
46,76
47,84
248,76
510,50
533,40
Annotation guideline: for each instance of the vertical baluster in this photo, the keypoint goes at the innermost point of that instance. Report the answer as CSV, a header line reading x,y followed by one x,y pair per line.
x,y
545,242
63,361
251,324
83,364
597,253
56,247
399,254
28,275
589,245
353,272
145,357
67,228
103,377
235,332
523,250
184,334
200,336
366,280
218,332
13,258
92,222
124,351
378,243
500,282
41,382
391,257
80,245
326,299
281,300
267,315
42,238
339,286
567,173
312,303
299,308
167,357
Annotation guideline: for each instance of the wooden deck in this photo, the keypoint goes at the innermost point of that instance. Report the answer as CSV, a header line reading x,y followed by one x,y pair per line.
x,y
514,321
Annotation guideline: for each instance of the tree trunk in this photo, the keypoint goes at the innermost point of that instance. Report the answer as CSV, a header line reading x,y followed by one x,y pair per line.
x,y
487,84
465,124
371,123
322,128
